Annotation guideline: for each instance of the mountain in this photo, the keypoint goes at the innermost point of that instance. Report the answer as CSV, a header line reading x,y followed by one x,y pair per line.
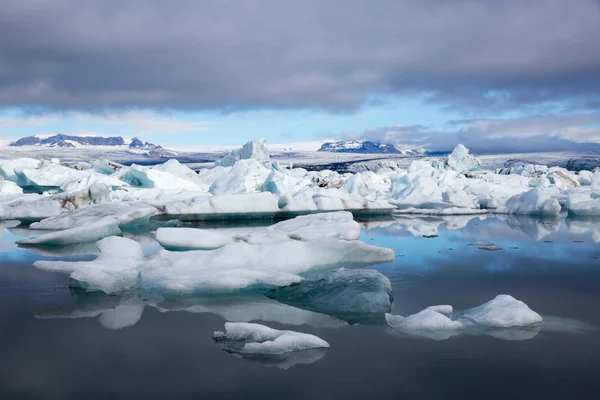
x,y
69,141
359,146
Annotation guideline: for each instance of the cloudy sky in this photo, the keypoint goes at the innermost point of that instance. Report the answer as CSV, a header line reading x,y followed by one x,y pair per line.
x,y
494,75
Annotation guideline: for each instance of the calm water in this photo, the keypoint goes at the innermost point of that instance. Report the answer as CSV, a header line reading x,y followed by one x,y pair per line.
x,y
58,343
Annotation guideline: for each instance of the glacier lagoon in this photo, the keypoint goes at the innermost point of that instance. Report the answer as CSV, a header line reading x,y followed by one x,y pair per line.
x,y
61,340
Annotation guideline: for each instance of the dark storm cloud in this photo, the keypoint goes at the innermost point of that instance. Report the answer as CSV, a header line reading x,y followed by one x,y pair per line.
x,y
335,55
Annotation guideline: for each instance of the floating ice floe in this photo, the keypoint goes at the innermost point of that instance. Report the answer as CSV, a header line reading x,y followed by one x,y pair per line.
x,y
121,265
243,337
124,214
504,317
340,225
79,234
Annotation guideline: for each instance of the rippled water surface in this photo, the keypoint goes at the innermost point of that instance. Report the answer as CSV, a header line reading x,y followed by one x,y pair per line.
x,y
57,342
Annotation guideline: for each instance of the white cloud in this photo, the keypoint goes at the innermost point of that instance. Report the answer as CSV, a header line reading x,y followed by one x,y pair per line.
x,y
134,122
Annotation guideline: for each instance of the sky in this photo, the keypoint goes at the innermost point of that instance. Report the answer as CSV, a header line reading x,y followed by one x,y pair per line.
x,y
511,75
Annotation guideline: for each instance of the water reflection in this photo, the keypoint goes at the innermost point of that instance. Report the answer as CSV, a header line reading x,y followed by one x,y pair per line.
x,y
281,361
117,312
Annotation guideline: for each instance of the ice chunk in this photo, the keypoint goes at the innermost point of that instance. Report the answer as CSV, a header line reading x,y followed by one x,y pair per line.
x,y
244,337
50,174
206,207
503,317
429,319
80,234
339,225
246,176
461,161
145,177
351,295
175,168
9,168
126,214
232,267
255,150
9,188
583,203
504,311
31,207
533,202
192,238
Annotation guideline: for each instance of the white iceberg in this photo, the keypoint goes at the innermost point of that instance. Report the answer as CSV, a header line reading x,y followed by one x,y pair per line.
x,y
244,337
537,201
9,188
124,214
158,177
503,317
255,150
121,265
461,161
340,225
79,234
10,168
504,311
208,207
246,176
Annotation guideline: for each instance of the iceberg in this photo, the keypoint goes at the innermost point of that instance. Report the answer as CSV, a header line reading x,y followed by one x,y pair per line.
x,y
52,174
121,265
79,234
350,295
158,177
504,311
124,214
461,161
9,168
263,204
254,150
536,201
503,317
244,337
340,225
9,188
246,176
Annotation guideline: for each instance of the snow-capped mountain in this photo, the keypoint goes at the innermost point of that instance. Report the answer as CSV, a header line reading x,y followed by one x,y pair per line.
x,y
62,141
362,146
69,141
